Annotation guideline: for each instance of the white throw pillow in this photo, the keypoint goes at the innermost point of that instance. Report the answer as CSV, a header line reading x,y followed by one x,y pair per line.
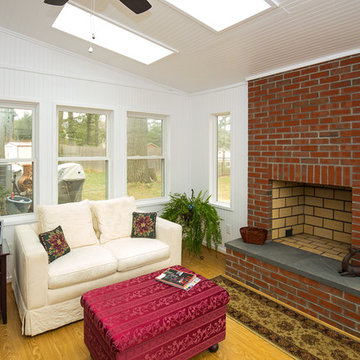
x,y
74,218
114,217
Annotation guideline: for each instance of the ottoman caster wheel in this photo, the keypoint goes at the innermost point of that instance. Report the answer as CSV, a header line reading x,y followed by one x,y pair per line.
x,y
214,348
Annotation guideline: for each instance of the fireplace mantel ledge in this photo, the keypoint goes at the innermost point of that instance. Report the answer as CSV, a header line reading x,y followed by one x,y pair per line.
x,y
313,266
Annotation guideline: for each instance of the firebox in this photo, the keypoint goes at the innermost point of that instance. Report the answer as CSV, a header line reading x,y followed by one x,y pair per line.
x,y
312,217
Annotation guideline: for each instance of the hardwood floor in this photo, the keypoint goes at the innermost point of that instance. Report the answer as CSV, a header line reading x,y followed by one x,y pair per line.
x,y
67,342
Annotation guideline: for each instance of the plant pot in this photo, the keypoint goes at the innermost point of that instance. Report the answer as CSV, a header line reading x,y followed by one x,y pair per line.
x,y
17,205
253,235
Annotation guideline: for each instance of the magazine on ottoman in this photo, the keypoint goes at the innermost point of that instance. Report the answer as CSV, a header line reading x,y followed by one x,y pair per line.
x,y
180,279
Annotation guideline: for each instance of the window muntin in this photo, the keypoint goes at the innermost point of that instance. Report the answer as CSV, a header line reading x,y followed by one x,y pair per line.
x,y
146,158
17,161
82,155
223,164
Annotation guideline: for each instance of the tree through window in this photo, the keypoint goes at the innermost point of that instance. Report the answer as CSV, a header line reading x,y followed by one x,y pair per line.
x,y
82,155
223,158
145,154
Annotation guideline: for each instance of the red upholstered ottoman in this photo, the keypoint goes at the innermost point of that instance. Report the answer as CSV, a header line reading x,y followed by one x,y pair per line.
x,y
144,319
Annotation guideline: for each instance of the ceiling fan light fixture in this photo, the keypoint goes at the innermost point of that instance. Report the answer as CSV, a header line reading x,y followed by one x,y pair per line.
x,y
56,2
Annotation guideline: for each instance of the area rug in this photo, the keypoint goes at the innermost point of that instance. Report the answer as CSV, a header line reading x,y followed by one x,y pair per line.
x,y
290,331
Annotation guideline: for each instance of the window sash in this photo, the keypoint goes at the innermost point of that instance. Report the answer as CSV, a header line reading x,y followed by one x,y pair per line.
x,y
105,158
162,157
33,107
214,161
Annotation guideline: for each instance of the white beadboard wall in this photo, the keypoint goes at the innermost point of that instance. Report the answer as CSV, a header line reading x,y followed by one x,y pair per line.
x,y
233,100
31,71
35,72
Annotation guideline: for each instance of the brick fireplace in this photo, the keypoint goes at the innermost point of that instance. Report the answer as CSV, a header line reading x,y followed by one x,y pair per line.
x,y
304,127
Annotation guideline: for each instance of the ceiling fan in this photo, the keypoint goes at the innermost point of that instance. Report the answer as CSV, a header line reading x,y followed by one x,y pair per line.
x,y
137,6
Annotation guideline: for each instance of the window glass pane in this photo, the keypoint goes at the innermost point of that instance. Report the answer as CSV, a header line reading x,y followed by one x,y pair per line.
x,y
82,180
224,159
16,188
82,134
144,178
15,133
144,137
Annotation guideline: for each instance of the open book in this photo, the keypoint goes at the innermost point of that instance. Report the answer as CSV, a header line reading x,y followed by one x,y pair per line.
x,y
180,279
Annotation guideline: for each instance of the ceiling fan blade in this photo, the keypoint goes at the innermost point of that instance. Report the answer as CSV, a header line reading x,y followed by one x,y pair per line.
x,y
56,2
137,6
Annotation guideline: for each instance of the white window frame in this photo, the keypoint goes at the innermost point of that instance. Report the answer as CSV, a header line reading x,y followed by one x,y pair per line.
x,y
213,181
34,107
105,158
165,155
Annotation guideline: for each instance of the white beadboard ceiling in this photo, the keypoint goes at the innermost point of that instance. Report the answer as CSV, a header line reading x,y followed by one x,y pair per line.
x,y
297,32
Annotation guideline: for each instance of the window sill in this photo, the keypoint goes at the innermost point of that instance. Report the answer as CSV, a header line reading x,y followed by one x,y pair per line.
x,y
222,206
12,220
151,202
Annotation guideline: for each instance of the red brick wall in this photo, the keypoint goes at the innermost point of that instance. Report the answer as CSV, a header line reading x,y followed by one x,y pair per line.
x,y
333,306
304,125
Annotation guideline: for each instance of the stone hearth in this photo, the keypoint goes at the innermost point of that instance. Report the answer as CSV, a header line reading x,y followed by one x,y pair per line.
x,y
307,282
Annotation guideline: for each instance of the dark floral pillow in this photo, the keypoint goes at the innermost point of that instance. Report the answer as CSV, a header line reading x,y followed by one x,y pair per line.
x,y
144,225
54,243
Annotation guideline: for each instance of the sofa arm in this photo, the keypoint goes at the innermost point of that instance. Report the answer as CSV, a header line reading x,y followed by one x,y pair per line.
x,y
31,264
171,234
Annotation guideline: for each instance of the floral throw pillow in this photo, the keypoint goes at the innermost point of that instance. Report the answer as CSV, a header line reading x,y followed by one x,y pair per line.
x,y
54,243
144,225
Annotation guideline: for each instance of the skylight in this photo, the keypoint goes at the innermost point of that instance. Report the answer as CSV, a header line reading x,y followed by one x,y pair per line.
x,y
221,14
82,24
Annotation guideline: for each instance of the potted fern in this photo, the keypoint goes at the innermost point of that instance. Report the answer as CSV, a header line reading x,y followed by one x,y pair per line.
x,y
198,218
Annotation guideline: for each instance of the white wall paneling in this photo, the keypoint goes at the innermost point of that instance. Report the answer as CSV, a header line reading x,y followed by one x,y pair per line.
x,y
41,74
203,106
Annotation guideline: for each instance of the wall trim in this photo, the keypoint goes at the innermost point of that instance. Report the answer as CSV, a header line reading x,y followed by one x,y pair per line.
x,y
305,63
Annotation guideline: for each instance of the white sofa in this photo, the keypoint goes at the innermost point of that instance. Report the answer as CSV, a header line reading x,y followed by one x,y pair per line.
x,y
48,295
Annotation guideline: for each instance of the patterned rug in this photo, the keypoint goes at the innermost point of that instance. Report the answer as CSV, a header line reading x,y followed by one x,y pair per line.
x,y
293,333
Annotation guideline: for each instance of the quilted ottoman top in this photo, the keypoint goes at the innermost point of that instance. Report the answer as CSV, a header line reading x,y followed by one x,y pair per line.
x,y
136,310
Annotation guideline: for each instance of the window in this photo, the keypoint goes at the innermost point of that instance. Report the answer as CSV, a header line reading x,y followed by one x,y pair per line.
x,y
222,158
17,160
145,156
82,155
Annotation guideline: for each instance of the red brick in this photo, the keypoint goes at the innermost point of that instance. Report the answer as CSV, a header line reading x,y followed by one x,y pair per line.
x,y
354,299
262,284
343,303
319,309
307,296
330,306
308,281
307,311
330,290
319,293
276,291
342,320
352,315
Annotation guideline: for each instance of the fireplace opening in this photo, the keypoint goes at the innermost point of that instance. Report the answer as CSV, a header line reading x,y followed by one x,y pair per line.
x,y
312,217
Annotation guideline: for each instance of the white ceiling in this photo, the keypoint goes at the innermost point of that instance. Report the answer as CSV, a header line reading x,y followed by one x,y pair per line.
x,y
298,31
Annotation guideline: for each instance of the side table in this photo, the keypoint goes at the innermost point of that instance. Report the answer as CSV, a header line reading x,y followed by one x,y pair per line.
x,y
4,251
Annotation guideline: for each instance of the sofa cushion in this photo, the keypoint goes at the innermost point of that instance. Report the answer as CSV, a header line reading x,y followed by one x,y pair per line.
x,y
54,243
80,265
132,253
114,217
144,225
74,218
